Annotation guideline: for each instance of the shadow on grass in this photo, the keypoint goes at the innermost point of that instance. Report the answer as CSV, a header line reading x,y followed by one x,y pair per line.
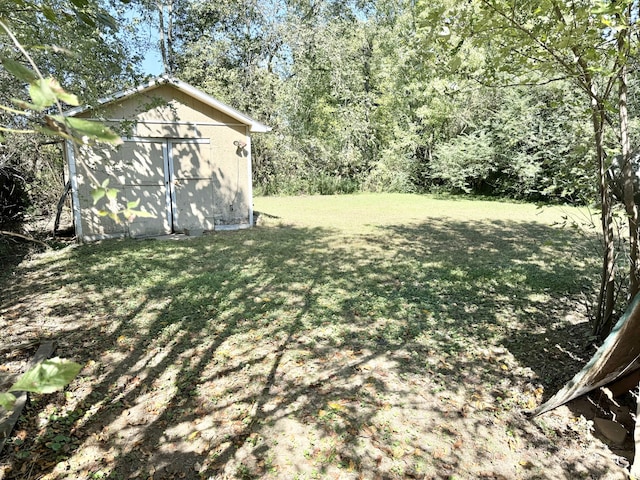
x,y
284,352
12,252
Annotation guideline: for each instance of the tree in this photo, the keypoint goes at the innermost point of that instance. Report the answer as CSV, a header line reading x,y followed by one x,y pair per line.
x,y
42,111
586,42
370,95
77,42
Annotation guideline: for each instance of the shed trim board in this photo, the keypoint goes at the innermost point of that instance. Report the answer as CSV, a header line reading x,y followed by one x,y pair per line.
x,y
160,139
255,126
73,178
167,181
250,175
188,124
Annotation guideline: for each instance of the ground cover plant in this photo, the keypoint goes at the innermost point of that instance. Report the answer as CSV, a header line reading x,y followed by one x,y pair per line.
x,y
363,336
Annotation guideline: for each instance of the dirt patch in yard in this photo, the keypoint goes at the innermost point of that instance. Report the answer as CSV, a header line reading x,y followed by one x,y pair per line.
x,y
287,352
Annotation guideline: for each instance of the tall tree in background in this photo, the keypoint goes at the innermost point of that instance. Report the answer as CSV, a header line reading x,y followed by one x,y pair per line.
x,y
236,51
332,54
354,104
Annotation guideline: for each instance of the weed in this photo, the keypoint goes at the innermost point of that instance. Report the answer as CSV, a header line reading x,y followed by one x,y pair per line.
x,y
58,442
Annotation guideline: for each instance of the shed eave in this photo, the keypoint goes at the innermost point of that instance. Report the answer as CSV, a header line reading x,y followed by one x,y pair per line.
x,y
254,125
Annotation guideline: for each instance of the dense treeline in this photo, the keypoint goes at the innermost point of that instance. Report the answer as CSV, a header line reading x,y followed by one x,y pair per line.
x,y
361,98
359,94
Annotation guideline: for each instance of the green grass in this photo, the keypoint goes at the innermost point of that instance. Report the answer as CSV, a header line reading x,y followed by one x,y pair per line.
x,y
341,336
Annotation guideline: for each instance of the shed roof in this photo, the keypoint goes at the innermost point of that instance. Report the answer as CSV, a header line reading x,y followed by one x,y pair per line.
x,y
254,125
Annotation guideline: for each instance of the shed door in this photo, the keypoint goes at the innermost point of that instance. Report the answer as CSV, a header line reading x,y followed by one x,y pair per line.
x,y
144,178
173,178
192,187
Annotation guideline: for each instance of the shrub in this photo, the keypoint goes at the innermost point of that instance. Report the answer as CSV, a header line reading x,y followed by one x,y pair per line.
x,y
13,196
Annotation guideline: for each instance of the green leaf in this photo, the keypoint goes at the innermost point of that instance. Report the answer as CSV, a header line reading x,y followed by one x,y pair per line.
x,y
62,94
142,214
92,129
80,3
42,95
607,8
97,194
53,132
455,62
48,377
19,71
106,20
112,193
49,13
131,214
7,400
133,204
105,183
45,92
86,18
25,105
68,98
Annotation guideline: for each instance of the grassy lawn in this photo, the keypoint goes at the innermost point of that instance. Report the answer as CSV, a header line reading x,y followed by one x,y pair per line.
x,y
367,336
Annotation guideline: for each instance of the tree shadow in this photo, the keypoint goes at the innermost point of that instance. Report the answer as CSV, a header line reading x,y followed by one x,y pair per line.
x,y
12,252
281,352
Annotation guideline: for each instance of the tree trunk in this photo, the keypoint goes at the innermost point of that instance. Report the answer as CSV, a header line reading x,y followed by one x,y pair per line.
x,y
606,299
170,67
628,173
163,44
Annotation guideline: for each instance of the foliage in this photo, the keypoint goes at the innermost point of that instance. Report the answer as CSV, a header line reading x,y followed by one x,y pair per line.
x,y
76,43
358,91
465,162
372,93
13,196
589,44
47,377
368,93
42,112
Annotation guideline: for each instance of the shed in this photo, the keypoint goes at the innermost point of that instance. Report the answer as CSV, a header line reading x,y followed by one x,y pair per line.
x,y
185,156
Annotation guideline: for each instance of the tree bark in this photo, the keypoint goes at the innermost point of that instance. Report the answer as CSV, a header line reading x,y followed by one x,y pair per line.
x,y
170,68
161,35
606,298
628,172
